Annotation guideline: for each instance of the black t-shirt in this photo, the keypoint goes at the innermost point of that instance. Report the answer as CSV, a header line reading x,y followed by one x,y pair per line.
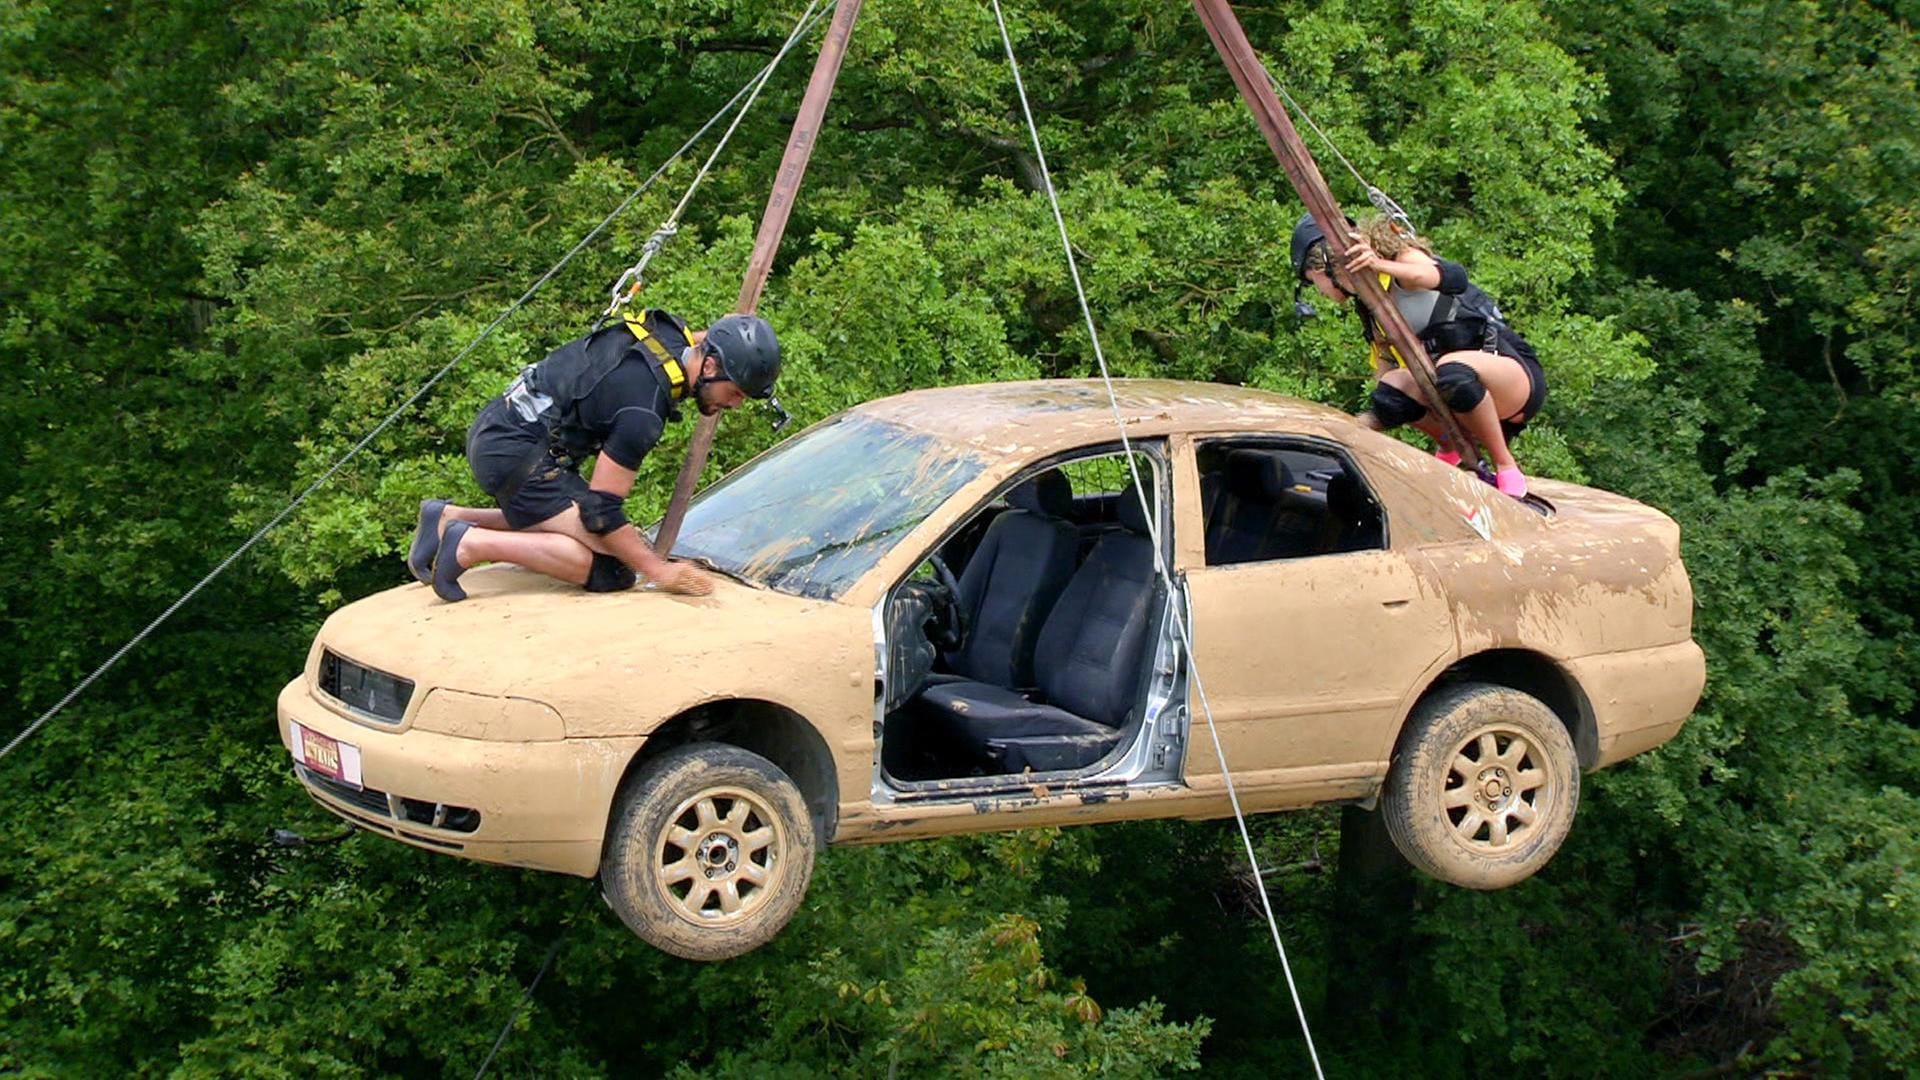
x,y
625,414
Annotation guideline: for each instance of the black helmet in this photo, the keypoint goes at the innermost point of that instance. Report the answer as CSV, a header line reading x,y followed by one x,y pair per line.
x,y
748,352
1306,234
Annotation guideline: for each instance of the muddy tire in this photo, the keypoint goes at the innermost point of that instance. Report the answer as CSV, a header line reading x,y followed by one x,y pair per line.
x,y
1483,786
709,851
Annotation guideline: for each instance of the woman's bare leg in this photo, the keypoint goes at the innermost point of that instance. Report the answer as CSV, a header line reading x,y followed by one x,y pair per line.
x,y
1402,380
1507,393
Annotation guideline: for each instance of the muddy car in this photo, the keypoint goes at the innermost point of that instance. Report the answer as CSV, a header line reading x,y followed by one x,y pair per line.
x,y
962,609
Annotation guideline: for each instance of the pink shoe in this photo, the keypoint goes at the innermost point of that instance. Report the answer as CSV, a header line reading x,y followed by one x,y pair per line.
x,y
1511,481
1449,458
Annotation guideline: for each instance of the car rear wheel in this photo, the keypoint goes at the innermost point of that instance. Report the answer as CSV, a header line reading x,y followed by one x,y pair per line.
x,y
709,853
1483,786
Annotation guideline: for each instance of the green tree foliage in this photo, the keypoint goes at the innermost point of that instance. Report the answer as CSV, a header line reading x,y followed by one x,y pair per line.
x,y
235,238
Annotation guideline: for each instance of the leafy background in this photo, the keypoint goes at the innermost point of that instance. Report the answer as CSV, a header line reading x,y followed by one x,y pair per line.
x,y
232,237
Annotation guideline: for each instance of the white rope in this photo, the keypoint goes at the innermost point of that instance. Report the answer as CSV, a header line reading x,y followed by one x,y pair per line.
x,y
1381,200
752,85
635,274
1153,530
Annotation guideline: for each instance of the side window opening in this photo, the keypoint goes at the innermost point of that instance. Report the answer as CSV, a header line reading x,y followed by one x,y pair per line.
x,y
1266,500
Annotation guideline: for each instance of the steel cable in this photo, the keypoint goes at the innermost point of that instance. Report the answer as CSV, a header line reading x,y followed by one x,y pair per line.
x,y
1381,200
1153,531
671,225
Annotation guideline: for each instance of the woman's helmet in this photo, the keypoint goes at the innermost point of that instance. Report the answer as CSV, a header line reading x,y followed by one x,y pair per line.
x,y
1306,234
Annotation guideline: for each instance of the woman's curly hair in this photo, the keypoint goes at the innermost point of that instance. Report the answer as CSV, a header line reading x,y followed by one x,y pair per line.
x,y
1390,238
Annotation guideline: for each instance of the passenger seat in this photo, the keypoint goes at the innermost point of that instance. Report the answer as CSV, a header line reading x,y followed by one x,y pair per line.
x,y
1258,512
1353,521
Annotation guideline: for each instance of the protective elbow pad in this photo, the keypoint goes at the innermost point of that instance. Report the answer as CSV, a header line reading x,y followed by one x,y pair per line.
x,y
602,512
1460,386
1394,407
610,575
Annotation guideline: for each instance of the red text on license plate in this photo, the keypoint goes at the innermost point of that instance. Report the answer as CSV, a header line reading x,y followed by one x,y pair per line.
x,y
326,755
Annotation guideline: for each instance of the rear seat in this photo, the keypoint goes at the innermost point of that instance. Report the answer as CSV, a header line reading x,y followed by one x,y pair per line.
x,y
1258,512
1087,663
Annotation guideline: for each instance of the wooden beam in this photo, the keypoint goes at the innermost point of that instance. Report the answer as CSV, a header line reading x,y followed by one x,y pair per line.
x,y
773,226
1250,75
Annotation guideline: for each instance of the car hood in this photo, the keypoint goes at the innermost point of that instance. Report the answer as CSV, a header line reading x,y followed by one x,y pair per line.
x,y
521,634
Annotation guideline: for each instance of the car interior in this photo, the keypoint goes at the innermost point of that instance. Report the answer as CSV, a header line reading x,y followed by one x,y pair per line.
x,y
1025,643
1265,501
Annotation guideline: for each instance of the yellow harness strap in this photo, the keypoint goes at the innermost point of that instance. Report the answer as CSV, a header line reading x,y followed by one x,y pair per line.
x,y
1381,347
676,374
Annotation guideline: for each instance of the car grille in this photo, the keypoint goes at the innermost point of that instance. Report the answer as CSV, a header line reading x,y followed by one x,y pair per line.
x,y
463,819
368,799
368,692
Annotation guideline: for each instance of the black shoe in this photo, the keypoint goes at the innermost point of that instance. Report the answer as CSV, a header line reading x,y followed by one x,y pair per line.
x,y
446,564
426,540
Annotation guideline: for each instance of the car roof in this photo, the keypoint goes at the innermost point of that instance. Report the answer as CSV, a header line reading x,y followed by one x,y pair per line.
x,y
1048,414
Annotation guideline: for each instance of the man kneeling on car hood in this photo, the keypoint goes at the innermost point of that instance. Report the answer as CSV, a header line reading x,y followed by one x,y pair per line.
x,y
609,394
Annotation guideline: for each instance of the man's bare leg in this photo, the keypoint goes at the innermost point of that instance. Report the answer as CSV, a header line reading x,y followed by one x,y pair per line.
x,y
479,517
626,544
548,553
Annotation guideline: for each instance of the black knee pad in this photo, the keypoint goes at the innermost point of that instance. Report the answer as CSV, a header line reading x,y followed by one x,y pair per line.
x,y
1460,386
609,575
601,512
1394,407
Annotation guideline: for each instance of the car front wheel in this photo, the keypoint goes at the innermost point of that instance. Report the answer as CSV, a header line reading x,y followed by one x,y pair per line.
x,y
1483,786
709,852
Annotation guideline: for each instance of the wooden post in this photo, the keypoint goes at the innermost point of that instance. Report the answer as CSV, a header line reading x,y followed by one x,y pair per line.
x,y
773,225
1251,77
1370,931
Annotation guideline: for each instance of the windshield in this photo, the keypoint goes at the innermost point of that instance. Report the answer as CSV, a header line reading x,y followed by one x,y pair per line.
x,y
816,512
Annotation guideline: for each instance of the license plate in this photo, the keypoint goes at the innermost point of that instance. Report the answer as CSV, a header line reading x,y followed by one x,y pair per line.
x,y
326,755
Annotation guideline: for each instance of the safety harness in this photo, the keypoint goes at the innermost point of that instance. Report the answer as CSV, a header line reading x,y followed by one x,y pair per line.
x,y
1444,322
666,364
546,393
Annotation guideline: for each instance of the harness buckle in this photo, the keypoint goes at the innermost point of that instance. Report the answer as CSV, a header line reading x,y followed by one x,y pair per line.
x,y
529,404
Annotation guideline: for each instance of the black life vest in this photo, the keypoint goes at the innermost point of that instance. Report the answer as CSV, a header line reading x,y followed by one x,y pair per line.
x,y
1444,322
550,391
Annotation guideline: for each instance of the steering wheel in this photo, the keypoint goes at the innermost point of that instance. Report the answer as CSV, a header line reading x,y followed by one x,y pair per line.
x,y
952,631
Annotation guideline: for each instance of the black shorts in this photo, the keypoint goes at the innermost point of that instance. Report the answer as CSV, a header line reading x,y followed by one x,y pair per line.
x,y
515,464
1511,344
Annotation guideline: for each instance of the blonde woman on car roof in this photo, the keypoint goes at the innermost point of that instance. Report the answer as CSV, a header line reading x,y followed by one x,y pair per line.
x,y
1487,374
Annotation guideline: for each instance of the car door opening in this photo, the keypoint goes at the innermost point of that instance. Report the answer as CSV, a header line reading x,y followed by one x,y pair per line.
x,y
1036,638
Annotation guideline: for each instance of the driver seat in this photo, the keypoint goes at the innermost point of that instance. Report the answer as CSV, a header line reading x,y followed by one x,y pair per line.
x,y
1009,586
1092,653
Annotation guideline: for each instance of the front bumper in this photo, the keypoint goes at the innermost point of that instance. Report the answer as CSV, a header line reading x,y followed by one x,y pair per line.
x,y
542,805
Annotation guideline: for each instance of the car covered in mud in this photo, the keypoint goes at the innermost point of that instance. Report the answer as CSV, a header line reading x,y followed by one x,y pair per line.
x,y
977,608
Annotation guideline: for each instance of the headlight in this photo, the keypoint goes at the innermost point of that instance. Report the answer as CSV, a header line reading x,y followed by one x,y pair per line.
x,y
373,694
482,716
